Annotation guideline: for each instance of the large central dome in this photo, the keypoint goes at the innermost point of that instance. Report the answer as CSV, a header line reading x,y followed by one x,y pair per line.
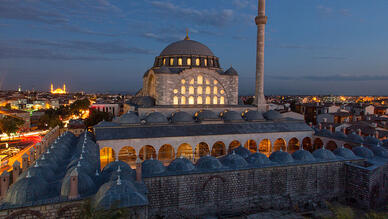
x,y
186,47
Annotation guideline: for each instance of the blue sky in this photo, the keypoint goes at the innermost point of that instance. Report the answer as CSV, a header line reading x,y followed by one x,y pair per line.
x,y
312,46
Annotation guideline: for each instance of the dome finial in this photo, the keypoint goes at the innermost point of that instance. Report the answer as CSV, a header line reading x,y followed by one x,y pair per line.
x,y
187,34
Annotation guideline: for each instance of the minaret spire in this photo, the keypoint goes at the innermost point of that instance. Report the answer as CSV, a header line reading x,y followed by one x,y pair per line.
x,y
261,21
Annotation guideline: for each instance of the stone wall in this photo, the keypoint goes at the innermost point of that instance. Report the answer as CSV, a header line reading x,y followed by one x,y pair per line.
x,y
234,192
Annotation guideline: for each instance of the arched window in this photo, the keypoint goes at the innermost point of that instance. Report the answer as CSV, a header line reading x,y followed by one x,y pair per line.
x,y
191,100
211,62
188,61
107,155
197,62
207,81
215,90
191,90
215,100
180,61
199,90
183,100
222,100
205,62
183,90
166,153
185,150
147,152
215,82
128,155
207,100
171,61
199,100
175,100
218,149
164,61
192,81
208,90
183,81
199,79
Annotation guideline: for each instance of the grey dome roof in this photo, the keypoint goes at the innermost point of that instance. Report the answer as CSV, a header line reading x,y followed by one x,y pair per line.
x,y
83,164
258,159
344,152
302,155
253,115
324,154
355,138
181,117
180,164
371,140
106,124
231,71
113,166
281,157
243,152
39,171
155,117
86,185
340,135
379,151
27,190
231,116
128,118
186,47
233,161
152,167
363,152
272,115
204,115
208,163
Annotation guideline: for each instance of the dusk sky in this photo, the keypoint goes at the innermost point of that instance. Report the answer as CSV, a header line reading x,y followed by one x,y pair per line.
x,y
312,46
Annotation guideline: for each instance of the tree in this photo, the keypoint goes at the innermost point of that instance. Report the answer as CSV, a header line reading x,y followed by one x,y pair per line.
x,y
50,119
9,125
96,116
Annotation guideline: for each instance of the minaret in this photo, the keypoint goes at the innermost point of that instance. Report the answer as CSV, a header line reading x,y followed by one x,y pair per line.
x,y
64,88
52,87
261,21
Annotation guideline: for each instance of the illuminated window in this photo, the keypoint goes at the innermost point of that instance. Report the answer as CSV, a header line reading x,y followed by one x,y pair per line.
x,y
183,100
192,81
175,91
222,100
211,62
205,62
199,79
207,81
199,100
188,61
171,62
183,90
215,82
215,100
175,100
207,90
222,91
183,81
207,100
164,61
191,100
215,90
197,62
199,90
191,90
180,61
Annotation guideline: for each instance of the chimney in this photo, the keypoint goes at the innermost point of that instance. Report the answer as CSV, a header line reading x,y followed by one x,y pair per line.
x,y
15,171
4,184
24,162
73,184
138,170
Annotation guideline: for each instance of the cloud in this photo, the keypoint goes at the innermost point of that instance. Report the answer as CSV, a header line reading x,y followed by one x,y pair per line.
x,y
165,38
335,77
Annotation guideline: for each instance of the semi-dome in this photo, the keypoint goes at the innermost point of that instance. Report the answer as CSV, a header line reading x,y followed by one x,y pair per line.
x,y
156,117
372,140
231,116
379,151
28,189
344,152
86,185
281,157
186,47
272,115
258,159
243,152
233,161
205,115
128,118
181,117
180,164
353,137
324,154
363,152
303,155
106,124
253,115
152,167
208,163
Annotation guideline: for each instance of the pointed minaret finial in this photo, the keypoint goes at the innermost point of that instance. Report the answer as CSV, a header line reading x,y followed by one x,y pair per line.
x,y
187,34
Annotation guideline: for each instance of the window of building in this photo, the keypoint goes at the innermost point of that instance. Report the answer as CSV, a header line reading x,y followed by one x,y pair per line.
x,y
183,90
175,91
180,61
205,62
199,90
183,81
188,61
211,62
175,100
215,82
192,81
222,92
191,100
222,100
197,62
164,61
215,100
171,61
207,81
215,90
191,90
199,79
183,100
207,100
199,100
208,90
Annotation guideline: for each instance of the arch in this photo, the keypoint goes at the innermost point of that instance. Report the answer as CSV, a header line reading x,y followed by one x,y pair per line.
x,y
175,100
234,144
199,100
222,100
215,90
207,100
191,100
202,149
215,100
146,152
318,143
200,79
199,90
207,90
188,61
219,149
331,145
213,192
265,147
293,145
185,150
197,61
183,100
251,145
128,155
166,153
180,61
191,90
151,86
171,61
307,145
107,155
183,90
280,143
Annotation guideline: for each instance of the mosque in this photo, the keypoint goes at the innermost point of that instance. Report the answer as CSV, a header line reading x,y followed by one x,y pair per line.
x,y
58,90
188,149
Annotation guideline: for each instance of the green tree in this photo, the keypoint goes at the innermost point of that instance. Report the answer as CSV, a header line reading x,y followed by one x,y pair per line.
x,y
79,105
9,125
96,116
50,119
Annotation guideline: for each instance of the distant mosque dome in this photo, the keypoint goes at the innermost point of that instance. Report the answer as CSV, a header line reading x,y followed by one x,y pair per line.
x,y
187,47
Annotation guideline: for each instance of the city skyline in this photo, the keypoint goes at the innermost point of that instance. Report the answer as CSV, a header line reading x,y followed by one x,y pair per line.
x,y
107,46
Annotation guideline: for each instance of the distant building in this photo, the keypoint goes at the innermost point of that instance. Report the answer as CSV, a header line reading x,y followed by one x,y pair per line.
x,y
58,90
112,108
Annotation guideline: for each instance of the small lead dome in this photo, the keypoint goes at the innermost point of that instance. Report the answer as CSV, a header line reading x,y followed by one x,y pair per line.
x,y
258,159
379,151
272,115
302,155
363,152
181,117
253,115
324,154
281,157
156,117
353,137
344,152
28,189
205,115
232,116
243,152
208,163
180,164
152,167
234,161
128,118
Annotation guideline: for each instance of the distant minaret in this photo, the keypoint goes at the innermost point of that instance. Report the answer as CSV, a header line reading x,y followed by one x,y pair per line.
x,y
261,21
64,88
52,87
